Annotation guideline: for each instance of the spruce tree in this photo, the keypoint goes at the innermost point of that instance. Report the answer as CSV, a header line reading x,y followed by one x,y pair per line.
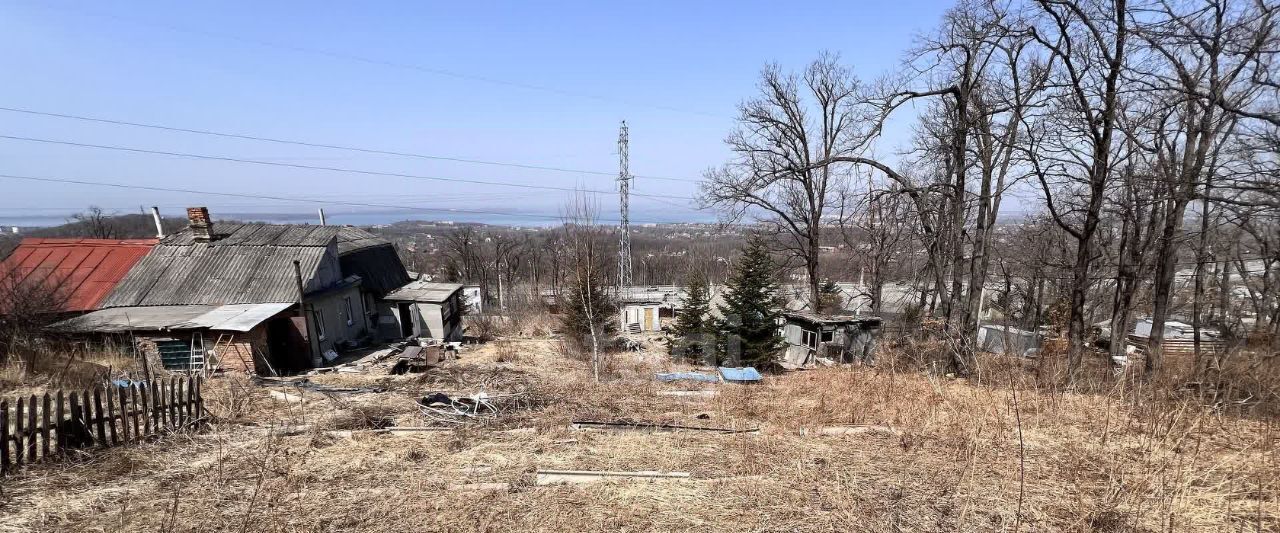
x,y
586,302
693,334
752,309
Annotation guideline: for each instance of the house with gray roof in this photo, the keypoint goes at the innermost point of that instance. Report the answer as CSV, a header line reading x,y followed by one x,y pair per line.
x,y
262,298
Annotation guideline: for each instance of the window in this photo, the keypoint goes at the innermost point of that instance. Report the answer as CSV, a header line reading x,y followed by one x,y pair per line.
x,y
810,339
320,323
350,313
828,336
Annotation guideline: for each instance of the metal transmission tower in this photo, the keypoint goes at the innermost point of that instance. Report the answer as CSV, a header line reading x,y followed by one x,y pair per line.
x,y
624,197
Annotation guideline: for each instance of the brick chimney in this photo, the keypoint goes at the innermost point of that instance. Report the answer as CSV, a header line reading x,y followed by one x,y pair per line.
x,y
200,223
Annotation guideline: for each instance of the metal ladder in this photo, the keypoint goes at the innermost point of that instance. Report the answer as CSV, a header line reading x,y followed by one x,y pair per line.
x,y
196,360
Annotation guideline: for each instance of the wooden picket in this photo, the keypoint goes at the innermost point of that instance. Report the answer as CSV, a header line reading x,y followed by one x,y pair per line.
x,y
40,428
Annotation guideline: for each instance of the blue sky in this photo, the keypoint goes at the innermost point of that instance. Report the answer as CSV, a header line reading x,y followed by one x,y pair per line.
x,y
536,84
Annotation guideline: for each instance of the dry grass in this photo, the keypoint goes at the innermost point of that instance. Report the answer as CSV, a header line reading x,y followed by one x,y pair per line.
x,y
948,455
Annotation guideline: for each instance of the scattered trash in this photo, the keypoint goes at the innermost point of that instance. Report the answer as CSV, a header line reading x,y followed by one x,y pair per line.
x,y
840,431
288,398
442,408
689,393
746,374
687,376
417,359
126,383
304,383
642,426
481,487
560,477
330,355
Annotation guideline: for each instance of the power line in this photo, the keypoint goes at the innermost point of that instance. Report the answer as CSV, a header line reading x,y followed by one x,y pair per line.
x,y
328,169
405,66
326,145
288,199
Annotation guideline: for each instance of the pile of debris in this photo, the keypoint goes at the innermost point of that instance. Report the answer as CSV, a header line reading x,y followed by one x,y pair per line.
x,y
441,408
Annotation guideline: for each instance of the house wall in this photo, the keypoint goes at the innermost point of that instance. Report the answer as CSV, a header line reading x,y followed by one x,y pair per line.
x,y
635,313
340,325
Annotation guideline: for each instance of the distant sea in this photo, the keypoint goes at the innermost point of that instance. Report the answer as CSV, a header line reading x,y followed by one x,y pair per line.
x,y
356,218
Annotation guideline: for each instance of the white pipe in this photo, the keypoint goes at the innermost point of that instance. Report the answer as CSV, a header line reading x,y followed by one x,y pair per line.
x,y
155,215
321,210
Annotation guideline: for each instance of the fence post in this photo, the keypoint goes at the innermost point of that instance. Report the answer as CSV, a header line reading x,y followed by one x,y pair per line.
x,y
100,419
133,417
124,414
61,444
156,400
86,412
111,415
173,402
17,434
146,409
181,404
44,430
74,424
200,397
32,434
4,436
192,415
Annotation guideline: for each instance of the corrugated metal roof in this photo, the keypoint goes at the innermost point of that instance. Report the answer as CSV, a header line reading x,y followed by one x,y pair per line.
x,y
351,239
84,270
227,234
379,266
121,319
235,317
220,274
424,291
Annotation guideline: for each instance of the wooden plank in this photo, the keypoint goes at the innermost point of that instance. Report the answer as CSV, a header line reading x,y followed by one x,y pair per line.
x,y
111,416
60,446
74,424
124,413
146,410
157,399
137,410
4,436
181,405
200,397
192,413
44,428
17,433
86,419
172,406
32,433
99,418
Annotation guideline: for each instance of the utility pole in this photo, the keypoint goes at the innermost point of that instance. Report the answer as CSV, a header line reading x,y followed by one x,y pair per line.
x,y
624,196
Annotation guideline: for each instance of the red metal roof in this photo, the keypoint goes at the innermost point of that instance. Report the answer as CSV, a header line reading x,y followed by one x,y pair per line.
x,y
84,269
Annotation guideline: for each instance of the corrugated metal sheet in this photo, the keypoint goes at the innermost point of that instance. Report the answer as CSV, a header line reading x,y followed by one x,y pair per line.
x,y
261,235
244,264
379,266
83,270
122,319
235,317
219,274
424,291
351,239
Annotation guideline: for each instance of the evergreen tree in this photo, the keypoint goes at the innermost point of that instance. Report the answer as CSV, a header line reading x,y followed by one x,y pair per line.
x,y
586,302
693,334
829,300
752,309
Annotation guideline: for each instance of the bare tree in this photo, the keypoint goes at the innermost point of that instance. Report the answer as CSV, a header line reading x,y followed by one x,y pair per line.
x,y
95,223
590,311
1073,146
785,147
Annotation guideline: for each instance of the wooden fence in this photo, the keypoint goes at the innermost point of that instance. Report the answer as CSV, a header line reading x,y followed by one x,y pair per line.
x,y
44,427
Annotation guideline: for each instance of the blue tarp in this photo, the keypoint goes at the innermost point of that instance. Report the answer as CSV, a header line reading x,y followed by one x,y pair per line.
x,y
740,375
690,376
